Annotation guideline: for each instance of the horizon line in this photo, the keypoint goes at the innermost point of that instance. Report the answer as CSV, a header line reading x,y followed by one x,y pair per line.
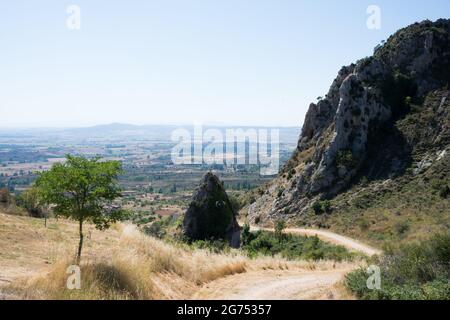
x,y
168,124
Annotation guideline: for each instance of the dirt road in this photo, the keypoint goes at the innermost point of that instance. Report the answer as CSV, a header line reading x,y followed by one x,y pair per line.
x,y
29,247
277,285
331,237
293,285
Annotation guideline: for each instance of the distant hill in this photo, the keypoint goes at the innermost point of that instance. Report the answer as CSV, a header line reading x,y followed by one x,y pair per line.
x,y
288,135
112,127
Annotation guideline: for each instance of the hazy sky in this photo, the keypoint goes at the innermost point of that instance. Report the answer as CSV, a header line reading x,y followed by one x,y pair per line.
x,y
245,62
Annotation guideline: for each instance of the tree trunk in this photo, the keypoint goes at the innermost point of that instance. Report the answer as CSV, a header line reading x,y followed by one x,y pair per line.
x,y
80,245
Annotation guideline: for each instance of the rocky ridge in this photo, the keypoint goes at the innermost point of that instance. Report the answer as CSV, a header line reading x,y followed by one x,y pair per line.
x,y
358,129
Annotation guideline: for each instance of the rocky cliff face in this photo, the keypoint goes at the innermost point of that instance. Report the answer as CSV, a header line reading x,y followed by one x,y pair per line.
x,y
210,214
356,122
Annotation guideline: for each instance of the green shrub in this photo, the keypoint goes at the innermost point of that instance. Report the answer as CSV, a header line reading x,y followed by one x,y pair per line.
x,y
246,235
30,201
326,206
413,272
345,158
156,229
159,228
235,202
356,282
291,173
141,219
4,196
213,245
317,207
320,207
280,225
402,227
444,191
280,192
364,224
294,247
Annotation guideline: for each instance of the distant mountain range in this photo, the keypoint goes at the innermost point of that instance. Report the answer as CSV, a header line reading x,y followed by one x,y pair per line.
x,y
149,132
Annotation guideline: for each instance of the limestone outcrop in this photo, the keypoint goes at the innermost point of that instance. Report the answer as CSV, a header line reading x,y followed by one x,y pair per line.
x,y
210,214
364,101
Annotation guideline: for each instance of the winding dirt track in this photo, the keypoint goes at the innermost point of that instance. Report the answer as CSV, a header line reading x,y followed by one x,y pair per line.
x,y
292,285
277,285
331,237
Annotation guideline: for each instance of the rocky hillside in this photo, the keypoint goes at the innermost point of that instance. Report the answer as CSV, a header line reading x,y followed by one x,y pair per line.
x,y
376,146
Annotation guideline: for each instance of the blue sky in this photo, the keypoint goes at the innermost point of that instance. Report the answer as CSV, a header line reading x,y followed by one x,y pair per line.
x,y
243,62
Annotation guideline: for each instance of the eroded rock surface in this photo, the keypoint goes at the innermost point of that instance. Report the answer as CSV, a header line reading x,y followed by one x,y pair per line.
x,y
341,131
210,214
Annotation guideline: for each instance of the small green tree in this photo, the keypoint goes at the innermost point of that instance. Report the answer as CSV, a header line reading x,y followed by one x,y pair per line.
x,y
326,206
30,201
317,207
5,196
280,225
246,234
236,203
83,190
444,191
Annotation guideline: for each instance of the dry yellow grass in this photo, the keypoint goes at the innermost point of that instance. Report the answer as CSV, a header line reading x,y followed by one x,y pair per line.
x,y
27,246
121,263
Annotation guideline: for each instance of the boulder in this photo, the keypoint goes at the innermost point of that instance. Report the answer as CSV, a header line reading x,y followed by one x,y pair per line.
x,y
210,214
